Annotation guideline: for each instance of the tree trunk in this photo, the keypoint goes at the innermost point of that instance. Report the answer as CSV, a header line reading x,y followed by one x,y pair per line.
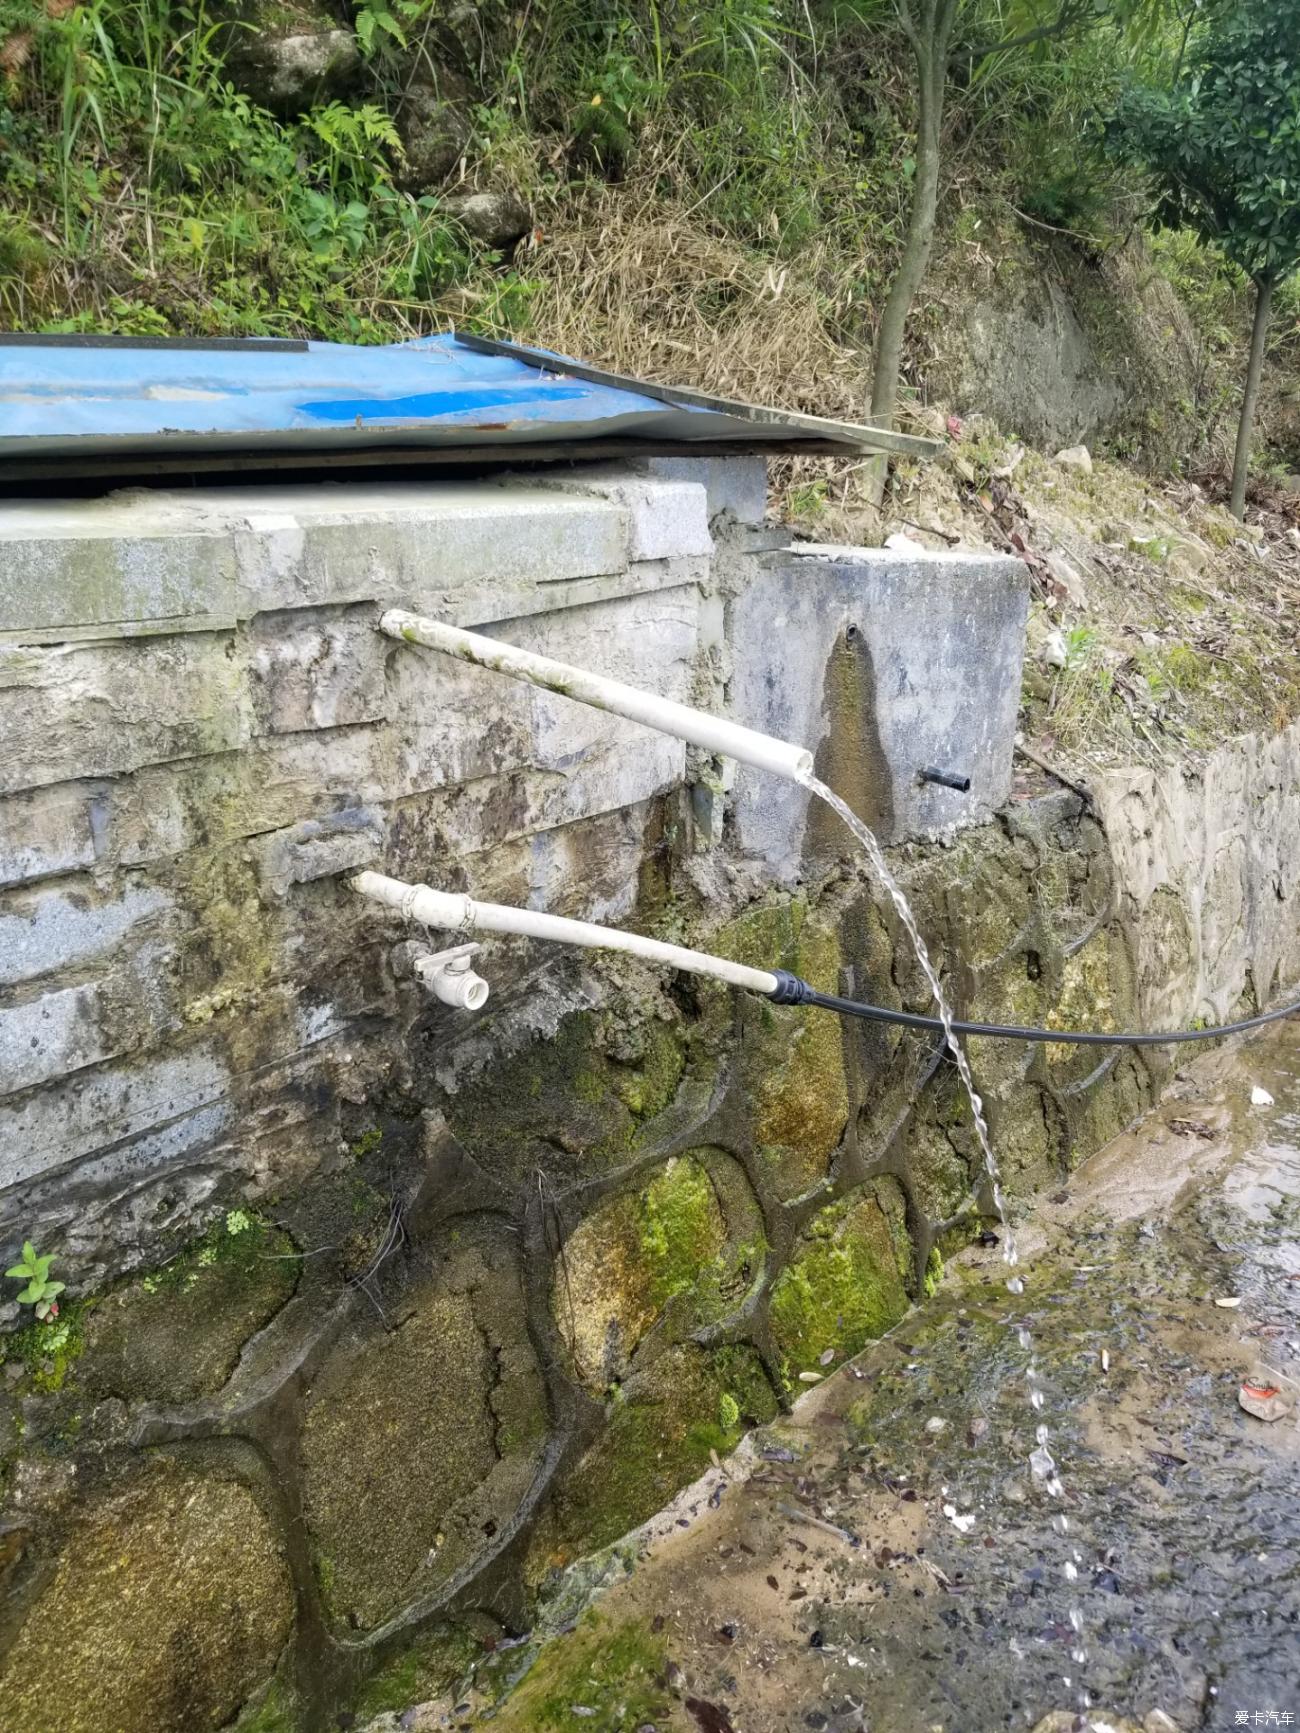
x,y
1258,338
928,33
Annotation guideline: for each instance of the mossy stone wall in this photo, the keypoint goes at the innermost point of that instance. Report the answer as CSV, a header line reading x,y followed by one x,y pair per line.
x,y
347,1440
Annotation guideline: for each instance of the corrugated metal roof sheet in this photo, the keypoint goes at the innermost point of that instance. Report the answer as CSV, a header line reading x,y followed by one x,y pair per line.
x,y
72,398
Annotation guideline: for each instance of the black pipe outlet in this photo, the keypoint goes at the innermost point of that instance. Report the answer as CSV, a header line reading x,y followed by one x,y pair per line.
x,y
947,778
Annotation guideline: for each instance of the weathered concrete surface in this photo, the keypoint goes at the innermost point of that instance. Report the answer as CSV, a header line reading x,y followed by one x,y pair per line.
x,y
204,730
1209,866
883,666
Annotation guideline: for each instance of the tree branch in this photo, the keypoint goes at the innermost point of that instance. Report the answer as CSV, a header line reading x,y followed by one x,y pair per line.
x,y
909,26
1068,18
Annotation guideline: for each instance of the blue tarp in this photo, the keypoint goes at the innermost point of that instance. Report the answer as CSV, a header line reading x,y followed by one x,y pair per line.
x,y
62,397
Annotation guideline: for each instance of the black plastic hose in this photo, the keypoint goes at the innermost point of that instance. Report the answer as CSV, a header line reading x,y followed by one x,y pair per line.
x,y
790,990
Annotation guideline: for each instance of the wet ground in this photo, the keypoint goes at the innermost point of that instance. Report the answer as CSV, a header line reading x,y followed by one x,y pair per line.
x,y
889,1563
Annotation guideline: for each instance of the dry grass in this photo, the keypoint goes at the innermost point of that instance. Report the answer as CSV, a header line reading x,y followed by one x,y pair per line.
x,y
646,284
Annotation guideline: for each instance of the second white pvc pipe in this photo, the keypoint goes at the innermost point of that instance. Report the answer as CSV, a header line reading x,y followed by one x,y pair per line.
x,y
697,727
456,913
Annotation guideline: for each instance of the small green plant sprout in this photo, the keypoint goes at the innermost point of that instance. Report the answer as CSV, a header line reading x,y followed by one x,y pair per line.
x,y
40,1291
728,1412
238,1221
1080,641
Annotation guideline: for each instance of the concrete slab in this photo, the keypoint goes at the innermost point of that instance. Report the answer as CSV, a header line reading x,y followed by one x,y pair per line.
x,y
882,666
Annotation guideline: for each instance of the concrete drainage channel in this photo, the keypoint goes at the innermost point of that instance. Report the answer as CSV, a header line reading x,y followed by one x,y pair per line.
x,y
558,1247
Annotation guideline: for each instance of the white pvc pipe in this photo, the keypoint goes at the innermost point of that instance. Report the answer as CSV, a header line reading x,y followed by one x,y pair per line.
x,y
461,914
712,733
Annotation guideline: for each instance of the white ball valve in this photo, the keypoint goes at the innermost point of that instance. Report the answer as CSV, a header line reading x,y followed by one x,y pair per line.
x,y
448,976
445,974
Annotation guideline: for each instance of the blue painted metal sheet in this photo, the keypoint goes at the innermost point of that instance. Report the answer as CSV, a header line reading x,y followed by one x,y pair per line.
x,y
67,398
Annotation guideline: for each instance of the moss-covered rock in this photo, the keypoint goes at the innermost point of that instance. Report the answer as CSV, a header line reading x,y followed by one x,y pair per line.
x,y
1023,1132
615,1673
176,1335
1096,993
666,1246
574,1103
846,1282
420,1441
661,1428
432,1663
1110,1106
940,1175
168,1606
790,1074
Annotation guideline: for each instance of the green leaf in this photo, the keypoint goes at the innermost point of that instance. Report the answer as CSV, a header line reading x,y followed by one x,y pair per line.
x,y
53,1288
30,1294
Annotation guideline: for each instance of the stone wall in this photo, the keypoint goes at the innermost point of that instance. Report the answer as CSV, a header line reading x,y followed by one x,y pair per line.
x,y
378,1315
1209,861
204,731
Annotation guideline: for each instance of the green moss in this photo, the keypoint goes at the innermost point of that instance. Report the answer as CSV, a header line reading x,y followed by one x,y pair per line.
x,y
367,1143
567,1103
658,1439
1186,669
615,1671
50,1350
176,1334
688,1245
588,1086
679,1227
846,1282
651,1083
432,1664
278,1712
933,1272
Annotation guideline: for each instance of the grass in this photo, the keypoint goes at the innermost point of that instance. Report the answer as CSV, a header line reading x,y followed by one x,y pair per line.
x,y
718,194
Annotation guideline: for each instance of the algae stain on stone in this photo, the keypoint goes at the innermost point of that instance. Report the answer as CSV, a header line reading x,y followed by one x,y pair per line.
x,y
574,1102
168,1607
851,758
177,1335
419,1442
791,1068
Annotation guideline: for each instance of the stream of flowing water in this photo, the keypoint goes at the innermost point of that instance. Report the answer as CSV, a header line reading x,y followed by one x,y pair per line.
x,y
1041,1462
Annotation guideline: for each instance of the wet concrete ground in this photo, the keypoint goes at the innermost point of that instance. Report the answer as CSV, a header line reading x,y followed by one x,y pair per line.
x,y
829,1589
